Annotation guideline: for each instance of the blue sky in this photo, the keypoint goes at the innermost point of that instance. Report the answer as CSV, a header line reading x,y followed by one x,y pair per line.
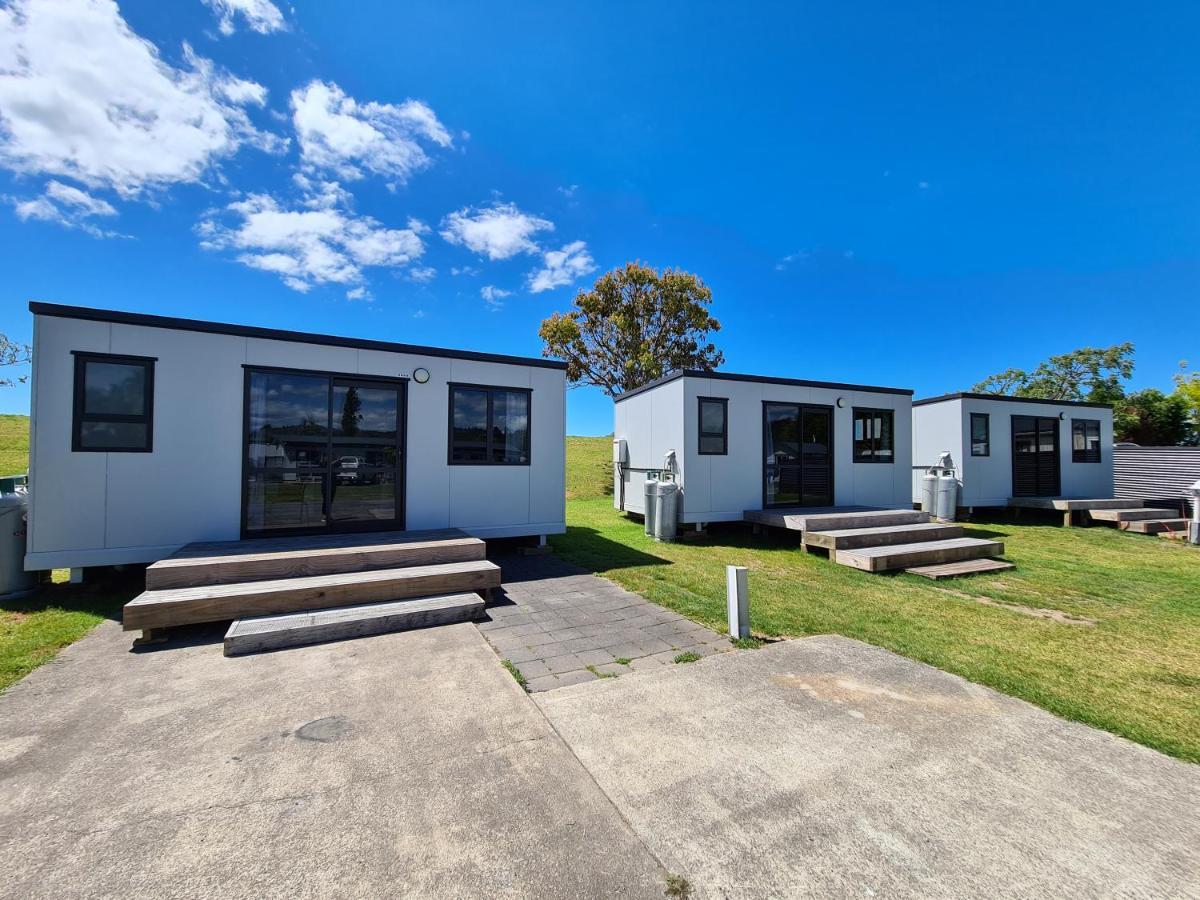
x,y
912,197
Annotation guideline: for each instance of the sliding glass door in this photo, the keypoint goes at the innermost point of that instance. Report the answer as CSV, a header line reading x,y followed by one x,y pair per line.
x,y
797,455
323,453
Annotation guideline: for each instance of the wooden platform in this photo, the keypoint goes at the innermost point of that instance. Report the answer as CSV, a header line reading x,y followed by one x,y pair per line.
x,y
807,518
1068,504
316,626
903,556
1128,514
274,558
961,568
218,602
1165,527
850,538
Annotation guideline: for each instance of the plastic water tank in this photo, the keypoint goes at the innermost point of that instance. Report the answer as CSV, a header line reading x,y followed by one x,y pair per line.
x,y
650,499
14,507
666,504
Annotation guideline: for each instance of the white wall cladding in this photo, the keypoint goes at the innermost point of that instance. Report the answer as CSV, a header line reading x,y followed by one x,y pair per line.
x,y
722,488
987,480
109,508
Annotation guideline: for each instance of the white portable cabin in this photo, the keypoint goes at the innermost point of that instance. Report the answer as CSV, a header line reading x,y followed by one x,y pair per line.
x,y
747,442
148,433
1014,447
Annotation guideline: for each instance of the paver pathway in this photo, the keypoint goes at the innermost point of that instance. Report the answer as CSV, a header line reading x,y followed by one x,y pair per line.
x,y
561,625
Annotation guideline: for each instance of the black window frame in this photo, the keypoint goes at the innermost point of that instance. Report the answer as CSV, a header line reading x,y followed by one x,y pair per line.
x,y
79,414
870,412
723,434
987,433
490,389
1085,455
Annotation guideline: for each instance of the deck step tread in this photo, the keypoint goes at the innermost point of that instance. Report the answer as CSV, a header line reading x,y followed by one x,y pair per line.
x,y
215,603
263,559
903,556
828,519
1154,526
276,632
849,538
1064,504
960,568
1127,514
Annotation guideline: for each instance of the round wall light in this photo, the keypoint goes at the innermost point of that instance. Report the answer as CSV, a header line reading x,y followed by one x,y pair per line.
x,y
420,376
841,402
1062,416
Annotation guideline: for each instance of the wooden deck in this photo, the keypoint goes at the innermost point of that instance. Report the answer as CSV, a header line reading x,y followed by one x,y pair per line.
x,y
1070,504
827,518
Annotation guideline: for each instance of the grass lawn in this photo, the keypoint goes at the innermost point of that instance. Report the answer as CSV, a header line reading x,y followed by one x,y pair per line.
x,y
34,629
1135,672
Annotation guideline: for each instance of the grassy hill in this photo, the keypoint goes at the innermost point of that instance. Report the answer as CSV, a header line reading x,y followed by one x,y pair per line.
x,y
589,468
14,444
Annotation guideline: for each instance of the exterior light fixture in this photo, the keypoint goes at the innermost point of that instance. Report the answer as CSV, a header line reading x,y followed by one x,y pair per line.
x,y
420,376
841,402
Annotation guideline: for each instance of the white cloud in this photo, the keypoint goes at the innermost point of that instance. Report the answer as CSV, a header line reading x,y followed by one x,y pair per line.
x,y
494,297
307,247
359,293
349,139
569,190
82,96
423,274
561,267
799,256
469,271
67,206
497,232
262,16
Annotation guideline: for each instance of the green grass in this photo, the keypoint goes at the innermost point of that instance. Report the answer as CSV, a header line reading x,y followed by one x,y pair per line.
x,y
1136,672
14,445
687,657
515,672
589,473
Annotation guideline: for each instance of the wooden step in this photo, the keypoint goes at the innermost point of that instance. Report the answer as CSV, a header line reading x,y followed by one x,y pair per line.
x,y
850,538
1130,514
904,556
1155,526
218,602
342,622
268,559
800,518
1072,505
960,568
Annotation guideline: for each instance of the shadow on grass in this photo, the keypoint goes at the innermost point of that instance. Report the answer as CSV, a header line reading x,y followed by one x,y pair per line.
x,y
589,549
104,594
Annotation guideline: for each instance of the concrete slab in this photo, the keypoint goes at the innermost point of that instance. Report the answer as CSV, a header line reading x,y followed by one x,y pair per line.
x,y
825,767
405,764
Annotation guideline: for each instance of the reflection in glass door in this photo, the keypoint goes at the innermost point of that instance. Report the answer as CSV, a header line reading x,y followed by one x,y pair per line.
x,y
797,455
323,453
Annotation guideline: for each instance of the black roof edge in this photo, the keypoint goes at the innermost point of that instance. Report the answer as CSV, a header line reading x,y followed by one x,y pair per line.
x,y
273,334
759,379
967,395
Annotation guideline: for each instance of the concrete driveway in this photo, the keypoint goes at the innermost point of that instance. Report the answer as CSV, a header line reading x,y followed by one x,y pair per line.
x,y
402,765
825,767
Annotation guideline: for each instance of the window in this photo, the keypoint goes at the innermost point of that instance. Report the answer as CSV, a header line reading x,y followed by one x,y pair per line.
x,y
714,426
874,435
1085,440
114,404
981,435
489,426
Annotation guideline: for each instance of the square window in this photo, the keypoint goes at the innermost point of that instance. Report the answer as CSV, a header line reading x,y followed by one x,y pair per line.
x,y
874,435
114,404
489,426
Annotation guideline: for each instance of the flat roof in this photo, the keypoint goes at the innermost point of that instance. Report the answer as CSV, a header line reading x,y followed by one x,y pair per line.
x,y
274,334
760,379
1005,398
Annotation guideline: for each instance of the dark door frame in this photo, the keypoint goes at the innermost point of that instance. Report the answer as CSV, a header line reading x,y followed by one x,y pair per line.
x,y
762,454
397,524
1012,445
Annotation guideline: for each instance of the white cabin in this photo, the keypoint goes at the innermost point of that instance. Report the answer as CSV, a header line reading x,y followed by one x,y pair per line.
x,y
148,433
1015,447
747,442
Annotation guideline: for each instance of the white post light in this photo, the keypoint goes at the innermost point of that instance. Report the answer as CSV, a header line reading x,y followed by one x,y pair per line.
x,y
1194,525
738,599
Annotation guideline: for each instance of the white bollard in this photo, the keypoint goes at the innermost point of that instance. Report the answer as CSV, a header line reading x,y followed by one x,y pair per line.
x,y
738,594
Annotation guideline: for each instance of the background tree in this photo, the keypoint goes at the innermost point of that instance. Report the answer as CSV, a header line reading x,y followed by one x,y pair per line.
x,y
14,354
1187,388
1085,374
1151,418
350,412
633,326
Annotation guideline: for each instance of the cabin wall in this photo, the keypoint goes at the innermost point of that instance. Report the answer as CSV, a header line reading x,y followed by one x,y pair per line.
x,y
92,508
937,428
651,424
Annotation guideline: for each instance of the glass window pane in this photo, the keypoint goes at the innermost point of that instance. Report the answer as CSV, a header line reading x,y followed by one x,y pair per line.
x,y
712,444
359,455
364,496
783,434
114,388
116,435
364,411
783,485
510,427
289,420
288,499
469,425
712,417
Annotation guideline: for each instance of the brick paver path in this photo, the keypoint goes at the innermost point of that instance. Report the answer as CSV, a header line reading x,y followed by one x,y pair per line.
x,y
554,621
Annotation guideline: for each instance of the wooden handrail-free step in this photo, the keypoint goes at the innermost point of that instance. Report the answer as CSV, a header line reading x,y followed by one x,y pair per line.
x,y
216,603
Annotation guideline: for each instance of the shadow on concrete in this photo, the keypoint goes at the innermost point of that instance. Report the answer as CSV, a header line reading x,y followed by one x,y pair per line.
x,y
104,594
